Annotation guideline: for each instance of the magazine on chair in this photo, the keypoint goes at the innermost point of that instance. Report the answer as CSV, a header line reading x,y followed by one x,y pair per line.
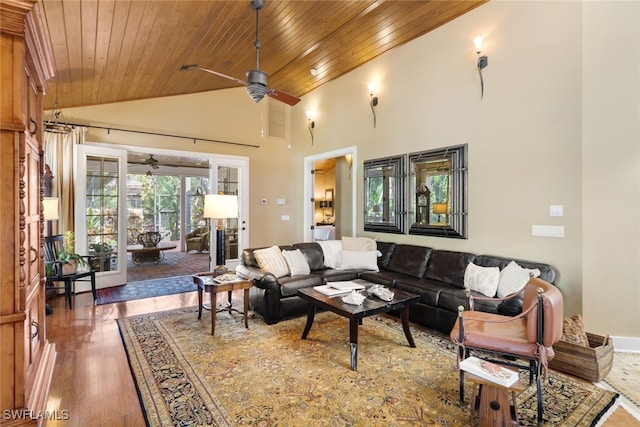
x,y
489,371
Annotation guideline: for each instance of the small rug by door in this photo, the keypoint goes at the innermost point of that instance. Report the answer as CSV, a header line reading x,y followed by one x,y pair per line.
x,y
146,289
266,375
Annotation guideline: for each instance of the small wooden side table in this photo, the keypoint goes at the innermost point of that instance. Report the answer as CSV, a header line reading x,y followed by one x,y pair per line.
x,y
206,283
490,403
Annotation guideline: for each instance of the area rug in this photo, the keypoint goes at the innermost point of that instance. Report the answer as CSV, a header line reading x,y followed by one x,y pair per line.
x,y
146,289
624,378
266,375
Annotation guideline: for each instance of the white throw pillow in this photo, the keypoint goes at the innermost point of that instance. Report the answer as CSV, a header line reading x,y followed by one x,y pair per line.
x,y
358,244
331,250
482,279
297,262
513,278
271,260
359,260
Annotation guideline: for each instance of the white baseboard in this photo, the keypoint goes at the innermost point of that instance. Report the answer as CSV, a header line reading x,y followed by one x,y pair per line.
x,y
627,344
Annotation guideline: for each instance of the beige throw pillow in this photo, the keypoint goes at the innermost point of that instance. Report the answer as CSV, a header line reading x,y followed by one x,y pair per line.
x,y
482,279
513,278
272,260
358,244
296,262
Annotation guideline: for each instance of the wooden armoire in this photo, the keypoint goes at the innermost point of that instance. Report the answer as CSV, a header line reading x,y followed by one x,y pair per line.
x,y
26,357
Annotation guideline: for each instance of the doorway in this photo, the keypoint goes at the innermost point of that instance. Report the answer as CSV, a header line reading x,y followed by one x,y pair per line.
x,y
172,218
343,194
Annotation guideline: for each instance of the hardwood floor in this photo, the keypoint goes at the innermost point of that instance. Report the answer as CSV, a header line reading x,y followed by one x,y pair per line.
x,y
92,383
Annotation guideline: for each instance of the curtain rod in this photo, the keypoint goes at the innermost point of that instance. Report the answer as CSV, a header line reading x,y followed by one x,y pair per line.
x,y
162,134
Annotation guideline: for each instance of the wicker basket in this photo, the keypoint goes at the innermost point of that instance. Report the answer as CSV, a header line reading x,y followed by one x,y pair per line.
x,y
592,363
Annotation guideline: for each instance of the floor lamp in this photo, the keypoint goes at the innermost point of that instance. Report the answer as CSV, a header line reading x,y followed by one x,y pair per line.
x,y
220,207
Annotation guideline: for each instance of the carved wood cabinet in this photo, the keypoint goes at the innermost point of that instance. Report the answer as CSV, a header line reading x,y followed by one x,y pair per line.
x,y
26,357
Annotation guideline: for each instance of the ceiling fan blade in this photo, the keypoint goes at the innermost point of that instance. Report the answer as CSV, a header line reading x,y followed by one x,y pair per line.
x,y
283,97
242,82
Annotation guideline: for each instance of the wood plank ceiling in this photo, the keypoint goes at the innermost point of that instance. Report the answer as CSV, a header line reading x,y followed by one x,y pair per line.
x,y
109,51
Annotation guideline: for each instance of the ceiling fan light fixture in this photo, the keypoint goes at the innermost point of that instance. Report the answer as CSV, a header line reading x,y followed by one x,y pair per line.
x,y
257,85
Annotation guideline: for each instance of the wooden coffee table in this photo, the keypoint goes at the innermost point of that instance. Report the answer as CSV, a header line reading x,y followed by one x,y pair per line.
x,y
355,313
154,254
205,283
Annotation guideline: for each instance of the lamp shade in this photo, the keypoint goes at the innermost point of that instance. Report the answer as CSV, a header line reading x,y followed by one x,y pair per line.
x,y
50,208
220,206
440,208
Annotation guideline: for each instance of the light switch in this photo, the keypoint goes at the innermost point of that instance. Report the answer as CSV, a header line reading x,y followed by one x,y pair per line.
x,y
285,217
547,231
279,201
556,210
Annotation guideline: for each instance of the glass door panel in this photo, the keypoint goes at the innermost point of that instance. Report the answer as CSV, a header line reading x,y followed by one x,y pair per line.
x,y
101,210
228,184
100,179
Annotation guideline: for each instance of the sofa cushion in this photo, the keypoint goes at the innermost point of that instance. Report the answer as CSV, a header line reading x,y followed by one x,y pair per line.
x,y
289,285
482,279
359,260
296,262
271,260
358,244
513,278
449,267
331,250
386,249
410,259
312,251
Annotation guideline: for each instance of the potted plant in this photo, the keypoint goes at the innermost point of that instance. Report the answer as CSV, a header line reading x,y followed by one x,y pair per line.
x,y
70,260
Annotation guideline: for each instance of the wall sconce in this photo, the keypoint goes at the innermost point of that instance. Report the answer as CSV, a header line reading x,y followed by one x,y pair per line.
x,y
373,103
482,62
312,124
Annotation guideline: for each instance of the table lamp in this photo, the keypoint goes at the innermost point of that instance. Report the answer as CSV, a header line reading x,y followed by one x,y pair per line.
x,y
440,209
220,207
50,211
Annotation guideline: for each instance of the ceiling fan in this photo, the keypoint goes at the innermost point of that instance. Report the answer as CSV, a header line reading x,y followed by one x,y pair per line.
x,y
150,161
256,79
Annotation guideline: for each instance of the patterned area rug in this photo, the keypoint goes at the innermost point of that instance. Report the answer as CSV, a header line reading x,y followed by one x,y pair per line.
x,y
146,289
267,376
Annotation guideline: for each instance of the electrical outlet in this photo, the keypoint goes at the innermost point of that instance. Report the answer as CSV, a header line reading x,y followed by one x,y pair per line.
x,y
285,217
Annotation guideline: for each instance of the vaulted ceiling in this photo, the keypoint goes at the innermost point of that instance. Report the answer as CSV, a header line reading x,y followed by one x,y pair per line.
x,y
107,51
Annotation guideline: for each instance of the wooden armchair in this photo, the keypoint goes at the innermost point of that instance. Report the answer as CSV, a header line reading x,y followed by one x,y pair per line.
x,y
529,335
198,239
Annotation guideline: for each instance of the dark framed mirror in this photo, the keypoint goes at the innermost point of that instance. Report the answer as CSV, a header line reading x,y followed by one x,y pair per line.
x,y
438,195
384,194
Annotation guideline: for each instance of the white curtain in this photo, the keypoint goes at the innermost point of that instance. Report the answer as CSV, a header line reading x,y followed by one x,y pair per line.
x,y
58,154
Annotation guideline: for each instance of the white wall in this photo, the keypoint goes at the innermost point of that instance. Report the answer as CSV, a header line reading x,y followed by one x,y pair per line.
x,y
560,111
524,137
611,167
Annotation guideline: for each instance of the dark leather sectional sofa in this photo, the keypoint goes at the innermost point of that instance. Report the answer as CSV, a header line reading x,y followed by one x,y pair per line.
x,y
436,275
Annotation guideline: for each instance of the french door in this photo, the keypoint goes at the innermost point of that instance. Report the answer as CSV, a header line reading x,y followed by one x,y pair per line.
x,y
100,212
